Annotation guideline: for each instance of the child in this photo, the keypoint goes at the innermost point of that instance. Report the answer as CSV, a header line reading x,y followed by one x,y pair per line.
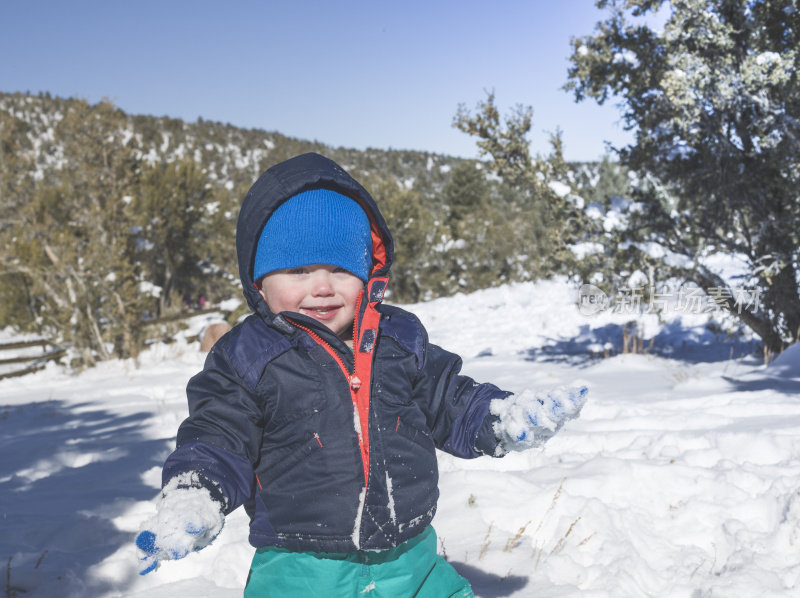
x,y
321,412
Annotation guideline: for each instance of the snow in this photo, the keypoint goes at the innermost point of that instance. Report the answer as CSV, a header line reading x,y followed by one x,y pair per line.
x,y
732,267
356,537
559,188
768,58
659,252
531,418
681,477
230,305
627,56
389,491
148,288
582,250
787,364
185,519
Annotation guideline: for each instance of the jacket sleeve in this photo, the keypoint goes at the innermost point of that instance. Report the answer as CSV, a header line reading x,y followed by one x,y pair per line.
x,y
220,440
457,406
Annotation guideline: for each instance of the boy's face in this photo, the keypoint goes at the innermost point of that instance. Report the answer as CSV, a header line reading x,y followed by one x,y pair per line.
x,y
326,293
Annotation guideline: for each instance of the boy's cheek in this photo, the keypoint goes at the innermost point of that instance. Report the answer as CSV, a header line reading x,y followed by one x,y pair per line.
x,y
262,291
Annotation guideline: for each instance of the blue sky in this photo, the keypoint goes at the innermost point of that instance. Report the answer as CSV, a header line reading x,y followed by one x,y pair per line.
x,y
346,73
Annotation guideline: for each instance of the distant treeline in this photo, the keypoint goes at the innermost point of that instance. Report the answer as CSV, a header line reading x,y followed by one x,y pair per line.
x,y
112,220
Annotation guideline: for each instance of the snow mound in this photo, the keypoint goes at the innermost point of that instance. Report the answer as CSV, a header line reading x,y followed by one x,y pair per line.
x,y
787,364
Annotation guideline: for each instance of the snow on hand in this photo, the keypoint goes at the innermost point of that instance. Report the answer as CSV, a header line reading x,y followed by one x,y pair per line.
x,y
187,519
530,418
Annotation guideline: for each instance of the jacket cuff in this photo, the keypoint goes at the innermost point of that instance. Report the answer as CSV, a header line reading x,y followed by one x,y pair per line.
x,y
227,476
486,442
195,479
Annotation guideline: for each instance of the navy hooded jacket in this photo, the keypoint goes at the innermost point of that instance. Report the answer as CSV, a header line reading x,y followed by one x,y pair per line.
x,y
329,449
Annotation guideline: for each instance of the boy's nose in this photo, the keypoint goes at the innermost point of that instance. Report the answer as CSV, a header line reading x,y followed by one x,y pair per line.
x,y
321,283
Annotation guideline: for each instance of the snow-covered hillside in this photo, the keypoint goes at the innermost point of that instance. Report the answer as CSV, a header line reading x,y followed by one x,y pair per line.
x,y
681,477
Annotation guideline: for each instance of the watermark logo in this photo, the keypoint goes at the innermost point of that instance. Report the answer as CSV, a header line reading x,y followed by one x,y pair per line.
x,y
691,300
592,300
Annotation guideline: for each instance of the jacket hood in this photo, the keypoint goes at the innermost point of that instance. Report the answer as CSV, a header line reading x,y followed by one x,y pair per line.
x,y
285,180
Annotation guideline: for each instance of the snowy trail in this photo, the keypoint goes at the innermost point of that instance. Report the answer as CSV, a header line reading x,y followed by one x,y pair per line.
x,y
680,478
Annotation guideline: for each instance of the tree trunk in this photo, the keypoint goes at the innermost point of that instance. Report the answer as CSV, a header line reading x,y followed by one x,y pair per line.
x,y
784,299
760,325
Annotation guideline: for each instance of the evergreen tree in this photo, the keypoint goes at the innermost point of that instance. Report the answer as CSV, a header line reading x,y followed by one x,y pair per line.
x,y
545,222
600,182
465,192
416,226
68,244
168,210
714,102
494,232
16,182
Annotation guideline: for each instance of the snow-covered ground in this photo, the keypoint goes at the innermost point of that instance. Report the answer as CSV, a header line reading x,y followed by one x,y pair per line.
x,y
680,478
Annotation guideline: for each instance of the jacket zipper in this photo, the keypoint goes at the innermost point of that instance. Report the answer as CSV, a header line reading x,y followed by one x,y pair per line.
x,y
353,382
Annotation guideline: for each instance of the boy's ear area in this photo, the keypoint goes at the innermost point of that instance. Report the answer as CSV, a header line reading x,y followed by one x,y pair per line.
x,y
260,286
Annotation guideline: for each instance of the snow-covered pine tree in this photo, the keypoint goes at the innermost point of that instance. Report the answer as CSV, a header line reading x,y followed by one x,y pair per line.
x,y
712,96
533,216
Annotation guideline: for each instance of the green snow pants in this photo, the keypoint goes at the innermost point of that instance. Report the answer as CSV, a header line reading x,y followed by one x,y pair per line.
x,y
412,569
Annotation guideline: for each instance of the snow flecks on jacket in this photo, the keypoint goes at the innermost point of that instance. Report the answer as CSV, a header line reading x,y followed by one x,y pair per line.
x,y
357,525
391,498
367,341
357,424
417,520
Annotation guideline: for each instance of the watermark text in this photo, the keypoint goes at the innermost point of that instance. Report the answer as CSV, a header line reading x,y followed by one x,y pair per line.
x,y
693,300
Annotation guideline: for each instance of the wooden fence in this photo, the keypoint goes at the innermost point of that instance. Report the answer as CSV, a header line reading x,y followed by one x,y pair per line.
x,y
28,362
19,353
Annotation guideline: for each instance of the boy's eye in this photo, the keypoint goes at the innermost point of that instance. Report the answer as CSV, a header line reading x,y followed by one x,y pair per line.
x,y
337,269
296,271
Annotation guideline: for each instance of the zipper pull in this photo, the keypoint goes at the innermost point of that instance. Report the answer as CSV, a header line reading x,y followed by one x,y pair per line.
x,y
355,382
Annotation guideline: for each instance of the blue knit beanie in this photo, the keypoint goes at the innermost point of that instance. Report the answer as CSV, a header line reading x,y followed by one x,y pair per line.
x,y
316,227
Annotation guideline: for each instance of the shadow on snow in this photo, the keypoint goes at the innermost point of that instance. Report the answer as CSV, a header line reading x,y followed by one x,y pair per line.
x,y
785,385
67,471
489,585
673,341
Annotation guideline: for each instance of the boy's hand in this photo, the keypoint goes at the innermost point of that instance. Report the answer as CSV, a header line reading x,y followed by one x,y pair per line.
x,y
529,419
187,519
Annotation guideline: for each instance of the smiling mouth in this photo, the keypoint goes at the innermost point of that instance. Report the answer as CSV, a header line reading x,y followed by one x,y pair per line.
x,y
323,312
